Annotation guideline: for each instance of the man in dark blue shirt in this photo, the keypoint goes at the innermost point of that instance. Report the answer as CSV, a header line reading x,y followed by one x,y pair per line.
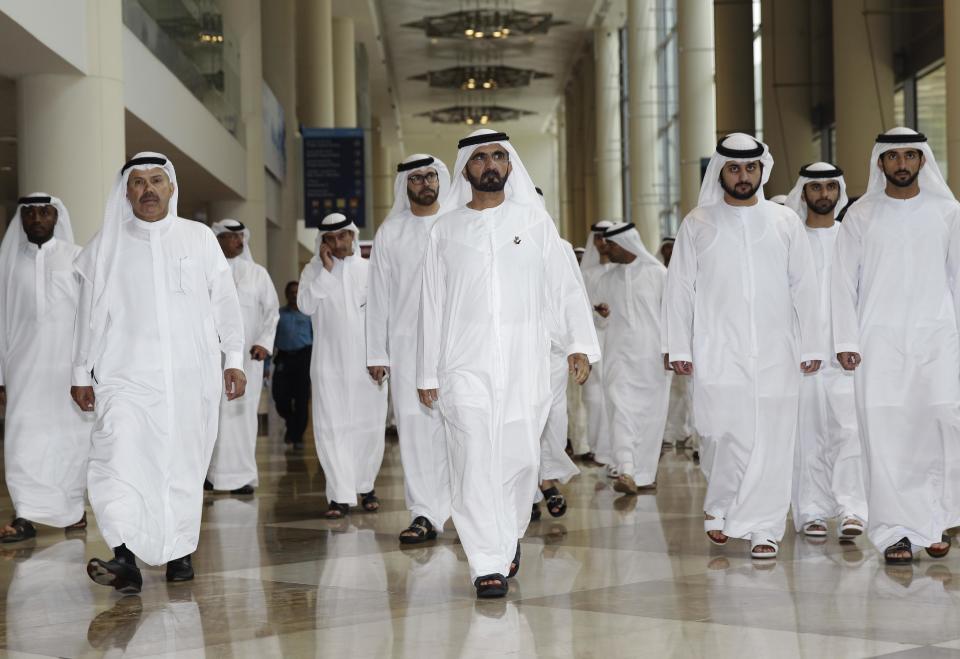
x,y
291,372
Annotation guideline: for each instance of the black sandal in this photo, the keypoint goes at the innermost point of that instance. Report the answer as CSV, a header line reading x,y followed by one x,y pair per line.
x,y
934,553
369,501
337,510
903,544
515,563
491,590
423,529
555,500
535,513
24,531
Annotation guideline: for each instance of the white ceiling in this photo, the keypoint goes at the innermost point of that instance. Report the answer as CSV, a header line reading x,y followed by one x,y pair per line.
x,y
408,52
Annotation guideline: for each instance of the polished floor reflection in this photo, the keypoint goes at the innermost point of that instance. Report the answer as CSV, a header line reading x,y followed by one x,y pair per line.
x,y
617,576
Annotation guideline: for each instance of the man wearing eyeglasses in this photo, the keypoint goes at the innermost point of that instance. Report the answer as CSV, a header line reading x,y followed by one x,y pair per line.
x,y
393,298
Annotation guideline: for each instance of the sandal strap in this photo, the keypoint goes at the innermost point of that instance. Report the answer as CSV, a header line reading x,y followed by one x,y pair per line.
x,y
502,580
903,544
550,492
715,524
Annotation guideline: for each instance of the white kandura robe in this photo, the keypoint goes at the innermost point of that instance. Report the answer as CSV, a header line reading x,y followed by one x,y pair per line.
x,y
489,280
598,428
555,464
157,377
828,467
576,418
741,305
636,386
46,436
896,296
349,408
234,461
393,301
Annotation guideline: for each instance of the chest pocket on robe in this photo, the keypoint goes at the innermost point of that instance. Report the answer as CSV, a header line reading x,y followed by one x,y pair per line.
x,y
62,285
183,275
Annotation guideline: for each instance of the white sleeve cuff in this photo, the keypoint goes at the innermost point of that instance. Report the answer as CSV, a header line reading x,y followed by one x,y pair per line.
x,y
847,347
81,377
233,360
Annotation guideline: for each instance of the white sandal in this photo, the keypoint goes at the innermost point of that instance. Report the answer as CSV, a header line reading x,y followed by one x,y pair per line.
x,y
715,524
761,540
850,528
612,472
819,533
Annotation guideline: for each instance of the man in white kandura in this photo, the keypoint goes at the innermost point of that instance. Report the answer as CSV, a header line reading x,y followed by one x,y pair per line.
x,y
157,308
393,300
895,299
493,272
594,264
46,438
349,407
828,467
556,467
636,384
234,464
679,429
741,317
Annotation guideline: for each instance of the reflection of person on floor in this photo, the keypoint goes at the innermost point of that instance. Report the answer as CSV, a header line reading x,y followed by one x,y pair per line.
x,y
291,367
47,438
46,589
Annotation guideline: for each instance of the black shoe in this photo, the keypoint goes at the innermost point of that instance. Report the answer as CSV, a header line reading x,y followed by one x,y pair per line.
x,y
246,489
180,569
207,485
24,531
121,572
535,513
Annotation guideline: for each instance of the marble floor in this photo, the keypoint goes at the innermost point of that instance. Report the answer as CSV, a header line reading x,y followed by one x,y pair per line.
x,y
617,576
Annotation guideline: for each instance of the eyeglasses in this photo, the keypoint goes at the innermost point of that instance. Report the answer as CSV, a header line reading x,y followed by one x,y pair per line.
x,y
418,179
498,157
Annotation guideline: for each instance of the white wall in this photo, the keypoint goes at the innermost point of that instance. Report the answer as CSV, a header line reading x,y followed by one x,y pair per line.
x,y
57,24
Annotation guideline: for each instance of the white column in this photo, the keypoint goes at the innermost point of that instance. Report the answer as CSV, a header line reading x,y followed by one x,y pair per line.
x,y
241,23
609,181
862,84
951,30
278,25
642,51
70,128
787,100
344,73
315,63
698,118
733,32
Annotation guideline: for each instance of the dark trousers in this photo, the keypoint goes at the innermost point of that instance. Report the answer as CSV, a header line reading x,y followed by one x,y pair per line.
x,y
291,391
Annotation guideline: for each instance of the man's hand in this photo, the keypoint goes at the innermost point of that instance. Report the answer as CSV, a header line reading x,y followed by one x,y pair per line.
x,y
234,383
326,256
259,353
83,397
811,366
666,363
682,368
378,373
428,396
602,309
849,360
579,367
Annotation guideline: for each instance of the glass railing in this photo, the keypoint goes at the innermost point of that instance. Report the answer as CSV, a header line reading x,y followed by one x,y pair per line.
x,y
187,36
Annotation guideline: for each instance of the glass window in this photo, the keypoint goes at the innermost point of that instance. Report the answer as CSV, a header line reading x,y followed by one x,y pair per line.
x,y
932,112
899,118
